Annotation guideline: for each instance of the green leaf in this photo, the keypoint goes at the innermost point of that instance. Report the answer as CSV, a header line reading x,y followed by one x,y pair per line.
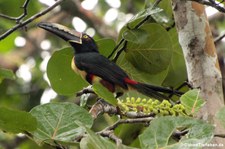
x,y
57,122
137,36
138,75
62,78
164,17
165,6
148,62
106,46
104,93
159,133
220,116
8,44
177,67
16,121
153,55
6,73
145,13
191,101
6,5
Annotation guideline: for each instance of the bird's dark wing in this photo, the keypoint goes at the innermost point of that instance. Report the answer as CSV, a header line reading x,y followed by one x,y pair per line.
x,y
98,65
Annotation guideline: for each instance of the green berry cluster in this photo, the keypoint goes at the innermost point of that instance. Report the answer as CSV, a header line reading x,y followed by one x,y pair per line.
x,y
151,106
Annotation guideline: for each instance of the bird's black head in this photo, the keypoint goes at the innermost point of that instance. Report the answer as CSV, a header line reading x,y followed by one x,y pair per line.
x,y
87,44
81,42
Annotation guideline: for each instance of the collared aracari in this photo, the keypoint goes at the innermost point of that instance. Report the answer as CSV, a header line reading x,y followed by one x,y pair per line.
x,y
92,66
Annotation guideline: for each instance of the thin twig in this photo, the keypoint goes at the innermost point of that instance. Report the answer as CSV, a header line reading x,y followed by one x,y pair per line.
x,y
19,18
127,121
117,46
112,136
24,11
177,135
8,32
211,3
220,135
120,51
108,131
86,91
218,39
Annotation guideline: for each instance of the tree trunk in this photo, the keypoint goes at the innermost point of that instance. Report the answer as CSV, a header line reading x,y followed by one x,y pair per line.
x,y
200,56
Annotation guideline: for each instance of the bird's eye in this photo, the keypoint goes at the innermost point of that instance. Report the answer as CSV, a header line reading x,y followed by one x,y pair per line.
x,y
85,36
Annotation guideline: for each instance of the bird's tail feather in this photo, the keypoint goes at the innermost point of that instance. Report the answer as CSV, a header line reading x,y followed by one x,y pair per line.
x,y
154,91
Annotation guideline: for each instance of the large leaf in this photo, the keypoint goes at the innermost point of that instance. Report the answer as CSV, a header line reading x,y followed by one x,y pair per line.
x,y
192,101
57,122
62,78
147,60
177,68
158,134
154,54
138,75
16,121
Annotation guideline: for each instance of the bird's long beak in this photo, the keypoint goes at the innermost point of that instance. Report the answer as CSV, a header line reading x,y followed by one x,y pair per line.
x,y
62,31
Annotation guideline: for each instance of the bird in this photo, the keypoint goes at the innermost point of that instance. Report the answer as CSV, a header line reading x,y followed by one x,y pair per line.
x,y
94,67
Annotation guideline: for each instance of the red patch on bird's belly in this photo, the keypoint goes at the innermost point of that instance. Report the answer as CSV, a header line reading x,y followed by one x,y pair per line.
x,y
129,81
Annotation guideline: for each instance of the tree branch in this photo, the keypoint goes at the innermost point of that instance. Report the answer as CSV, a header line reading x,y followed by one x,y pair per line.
x,y
219,38
127,121
220,135
112,136
22,24
102,106
196,40
108,131
211,3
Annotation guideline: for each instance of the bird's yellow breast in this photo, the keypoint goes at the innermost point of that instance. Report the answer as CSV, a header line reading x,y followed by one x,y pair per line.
x,y
83,73
76,70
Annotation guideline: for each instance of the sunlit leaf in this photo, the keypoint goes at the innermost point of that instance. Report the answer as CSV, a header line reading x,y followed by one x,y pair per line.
x,y
159,133
192,101
57,122
16,121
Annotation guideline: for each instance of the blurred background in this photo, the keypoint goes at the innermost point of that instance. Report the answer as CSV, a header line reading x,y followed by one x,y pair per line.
x,y
27,50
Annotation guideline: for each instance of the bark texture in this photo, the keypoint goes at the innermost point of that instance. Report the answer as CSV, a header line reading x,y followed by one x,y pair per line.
x,y
201,60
